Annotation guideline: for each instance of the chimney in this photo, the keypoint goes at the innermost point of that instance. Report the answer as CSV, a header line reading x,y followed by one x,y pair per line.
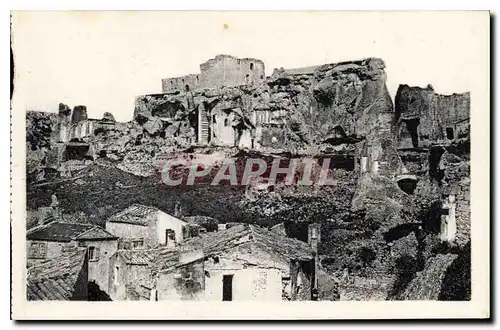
x,y
314,235
178,209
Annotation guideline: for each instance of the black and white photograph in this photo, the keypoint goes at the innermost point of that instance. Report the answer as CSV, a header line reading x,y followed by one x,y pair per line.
x,y
206,157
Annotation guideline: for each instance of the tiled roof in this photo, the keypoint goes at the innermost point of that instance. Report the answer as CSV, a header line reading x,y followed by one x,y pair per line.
x,y
55,279
96,233
157,259
134,214
66,232
221,241
200,220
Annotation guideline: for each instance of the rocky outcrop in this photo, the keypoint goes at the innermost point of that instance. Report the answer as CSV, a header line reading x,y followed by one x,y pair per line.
x,y
349,97
40,127
108,116
425,118
79,114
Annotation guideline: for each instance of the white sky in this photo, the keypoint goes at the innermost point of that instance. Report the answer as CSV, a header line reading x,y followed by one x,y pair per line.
x,y
104,59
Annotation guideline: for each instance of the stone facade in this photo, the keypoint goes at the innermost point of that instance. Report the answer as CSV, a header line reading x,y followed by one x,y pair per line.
x,y
463,223
145,227
223,70
98,260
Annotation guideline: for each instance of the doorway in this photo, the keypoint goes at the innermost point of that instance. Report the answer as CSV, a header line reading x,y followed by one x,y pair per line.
x,y
227,287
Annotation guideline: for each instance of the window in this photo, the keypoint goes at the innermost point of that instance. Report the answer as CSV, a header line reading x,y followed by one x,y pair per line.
x,y
38,250
93,253
227,287
261,76
226,122
169,236
117,273
139,243
251,66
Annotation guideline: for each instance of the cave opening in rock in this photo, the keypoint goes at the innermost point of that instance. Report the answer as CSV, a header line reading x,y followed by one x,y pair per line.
x,y
338,161
450,134
435,171
400,231
77,151
193,122
412,127
299,230
407,184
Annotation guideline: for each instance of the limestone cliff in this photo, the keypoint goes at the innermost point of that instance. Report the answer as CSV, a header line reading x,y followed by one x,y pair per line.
x,y
425,118
337,103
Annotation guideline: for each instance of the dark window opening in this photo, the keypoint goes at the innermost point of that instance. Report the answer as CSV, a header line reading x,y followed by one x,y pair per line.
x,y
411,126
38,250
91,253
449,133
169,236
261,76
251,66
187,88
227,287
226,122
298,230
434,158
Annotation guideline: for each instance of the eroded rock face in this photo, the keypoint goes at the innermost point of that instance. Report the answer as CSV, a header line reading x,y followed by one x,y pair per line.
x,y
288,109
79,114
108,116
425,118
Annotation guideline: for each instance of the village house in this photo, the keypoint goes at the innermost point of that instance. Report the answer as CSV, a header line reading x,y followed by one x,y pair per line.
x,y
60,278
242,263
134,274
142,227
54,239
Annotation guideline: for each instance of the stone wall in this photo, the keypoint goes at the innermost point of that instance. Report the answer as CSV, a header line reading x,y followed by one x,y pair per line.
x,y
132,231
190,82
223,70
99,268
186,282
463,211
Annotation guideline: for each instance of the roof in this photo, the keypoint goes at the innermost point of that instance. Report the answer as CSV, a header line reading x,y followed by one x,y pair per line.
x,y
144,257
65,232
200,220
272,242
55,279
135,214
156,259
95,233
